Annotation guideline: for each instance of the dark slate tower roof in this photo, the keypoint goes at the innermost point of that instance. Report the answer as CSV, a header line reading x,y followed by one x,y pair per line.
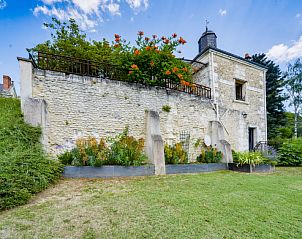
x,y
208,39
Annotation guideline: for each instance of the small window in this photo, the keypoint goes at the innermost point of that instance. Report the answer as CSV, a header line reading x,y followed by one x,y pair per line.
x,y
240,90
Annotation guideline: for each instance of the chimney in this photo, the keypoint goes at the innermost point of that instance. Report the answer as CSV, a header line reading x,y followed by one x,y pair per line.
x,y
7,82
247,56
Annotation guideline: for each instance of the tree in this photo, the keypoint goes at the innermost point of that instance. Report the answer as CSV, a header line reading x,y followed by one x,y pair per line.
x,y
274,96
294,90
149,61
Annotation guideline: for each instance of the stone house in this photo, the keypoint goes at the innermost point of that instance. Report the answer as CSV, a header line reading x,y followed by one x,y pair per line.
x,y
7,88
238,87
228,112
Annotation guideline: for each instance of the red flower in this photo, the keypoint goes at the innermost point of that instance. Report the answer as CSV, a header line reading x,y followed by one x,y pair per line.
x,y
140,33
154,36
137,52
174,69
148,48
181,40
163,38
168,72
185,69
166,41
174,35
134,67
180,76
152,63
147,38
116,45
117,36
117,40
130,72
158,51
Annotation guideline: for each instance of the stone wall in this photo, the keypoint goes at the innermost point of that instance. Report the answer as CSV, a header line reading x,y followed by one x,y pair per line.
x,y
81,106
222,71
77,106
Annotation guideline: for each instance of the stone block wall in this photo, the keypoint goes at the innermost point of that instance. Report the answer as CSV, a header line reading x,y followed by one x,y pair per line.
x,y
85,106
79,106
222,71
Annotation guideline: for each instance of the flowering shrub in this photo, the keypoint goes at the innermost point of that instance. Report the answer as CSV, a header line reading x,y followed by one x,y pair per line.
x,y
122,150
152,59
149,61
175,154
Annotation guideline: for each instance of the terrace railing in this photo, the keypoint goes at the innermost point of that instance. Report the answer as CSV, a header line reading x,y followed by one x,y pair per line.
x,y
78,66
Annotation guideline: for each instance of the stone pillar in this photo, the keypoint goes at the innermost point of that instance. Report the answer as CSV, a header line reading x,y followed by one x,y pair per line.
x,y
218,141
25,69
154,142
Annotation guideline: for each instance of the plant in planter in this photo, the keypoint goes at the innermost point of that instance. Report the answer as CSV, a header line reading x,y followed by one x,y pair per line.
x,y
208,154
121,150
125,150
175,154
88,152
252,158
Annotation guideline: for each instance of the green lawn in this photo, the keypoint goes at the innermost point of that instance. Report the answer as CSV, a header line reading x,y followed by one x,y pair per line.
x,y
209,205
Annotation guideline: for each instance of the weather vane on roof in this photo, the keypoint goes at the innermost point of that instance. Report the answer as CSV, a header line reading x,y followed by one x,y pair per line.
x,y
207,23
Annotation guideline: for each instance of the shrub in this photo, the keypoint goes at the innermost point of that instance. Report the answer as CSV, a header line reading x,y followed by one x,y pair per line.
x,y
290,153
209,154
175,154
124,150
253,158
24,168
149,61
166,108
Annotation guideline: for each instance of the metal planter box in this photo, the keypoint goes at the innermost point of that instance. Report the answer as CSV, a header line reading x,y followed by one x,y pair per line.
x,y
195,168
107,171
248,168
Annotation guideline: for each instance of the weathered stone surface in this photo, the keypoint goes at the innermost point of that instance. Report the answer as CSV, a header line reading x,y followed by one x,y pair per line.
x,y
80,106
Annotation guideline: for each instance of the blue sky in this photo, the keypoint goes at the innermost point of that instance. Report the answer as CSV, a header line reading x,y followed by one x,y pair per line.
x,y
242,26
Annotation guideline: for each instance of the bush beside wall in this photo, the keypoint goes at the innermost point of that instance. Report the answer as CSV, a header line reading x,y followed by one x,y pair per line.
x,y
24,168
290,153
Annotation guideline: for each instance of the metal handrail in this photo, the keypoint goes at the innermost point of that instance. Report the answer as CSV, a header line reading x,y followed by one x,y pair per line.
x,y
83,67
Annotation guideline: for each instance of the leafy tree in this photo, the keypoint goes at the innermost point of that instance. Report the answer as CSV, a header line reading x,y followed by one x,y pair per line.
x,y
68,40
274,97
294,90
149,61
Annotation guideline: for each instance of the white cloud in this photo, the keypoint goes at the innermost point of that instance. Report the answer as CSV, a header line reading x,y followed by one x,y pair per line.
x,y
2,4
138,4
131,19
298,15
89,6
222,12
282,53
87,13
114,8
50,2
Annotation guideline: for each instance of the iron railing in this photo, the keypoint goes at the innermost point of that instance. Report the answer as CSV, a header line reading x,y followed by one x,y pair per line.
x,y
78,66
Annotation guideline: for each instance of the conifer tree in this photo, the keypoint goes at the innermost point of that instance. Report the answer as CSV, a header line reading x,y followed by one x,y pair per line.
x,y
274,97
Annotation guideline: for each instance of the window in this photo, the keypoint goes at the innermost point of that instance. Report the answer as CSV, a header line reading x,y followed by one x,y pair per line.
x,y
240,90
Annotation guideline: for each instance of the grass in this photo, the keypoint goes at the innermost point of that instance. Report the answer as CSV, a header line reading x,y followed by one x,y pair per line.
x,y
24,168
209,205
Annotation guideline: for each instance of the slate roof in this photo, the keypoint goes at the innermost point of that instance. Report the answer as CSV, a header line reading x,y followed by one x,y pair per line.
x,y
230,54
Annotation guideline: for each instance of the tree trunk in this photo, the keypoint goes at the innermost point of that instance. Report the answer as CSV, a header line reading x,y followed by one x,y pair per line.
x,y
296,124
